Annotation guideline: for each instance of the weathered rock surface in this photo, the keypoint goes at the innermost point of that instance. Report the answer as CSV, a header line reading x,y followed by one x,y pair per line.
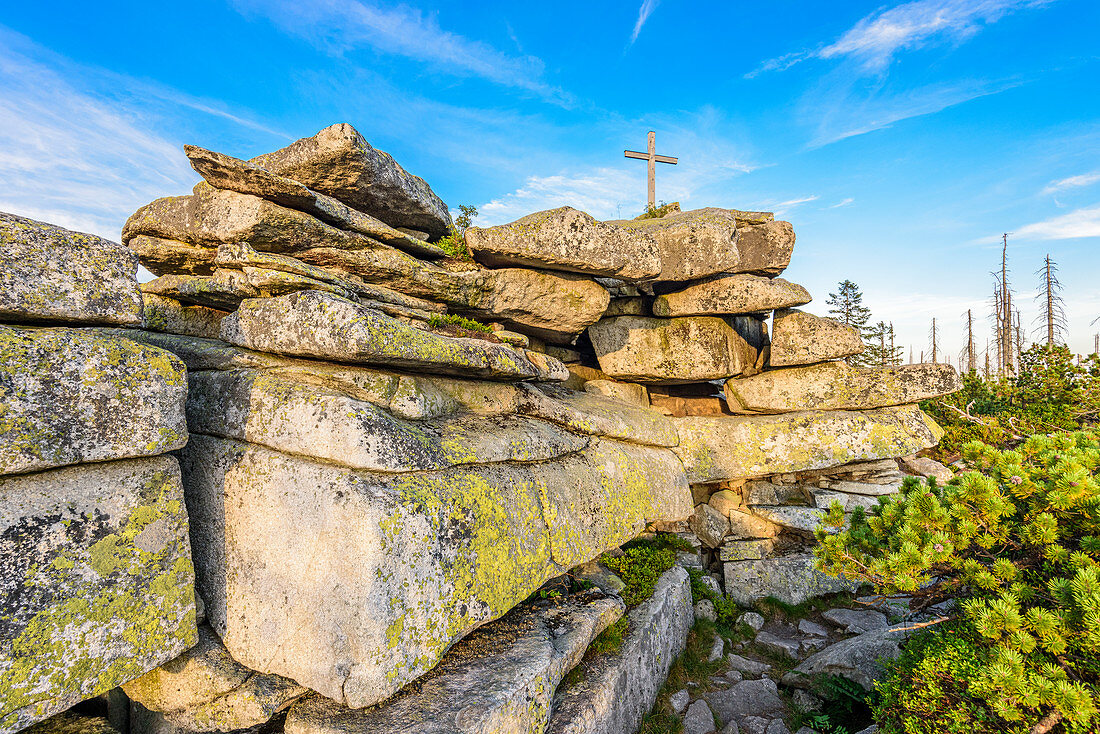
x,y
205,689
174,317
292,415
802,338
69,396
925,467
731,294
804,519
837,386
745,699
709,525
553,306
323,326
715,449
689,349
628,392
97,582
619,688
570,240
70,723
857,621
166,256
699,719
48,273
419,396
855,659
337,161
499,679
354,583
703,242
226,172
791,579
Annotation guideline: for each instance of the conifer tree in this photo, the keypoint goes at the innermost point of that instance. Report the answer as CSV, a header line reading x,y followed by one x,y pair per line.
x,y
846,305
1052,313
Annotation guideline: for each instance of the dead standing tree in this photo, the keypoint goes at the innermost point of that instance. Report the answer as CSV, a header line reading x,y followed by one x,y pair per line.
x,y
1003,331
1052,312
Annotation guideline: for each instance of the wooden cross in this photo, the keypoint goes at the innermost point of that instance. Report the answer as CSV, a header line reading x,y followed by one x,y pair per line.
x,y
653,159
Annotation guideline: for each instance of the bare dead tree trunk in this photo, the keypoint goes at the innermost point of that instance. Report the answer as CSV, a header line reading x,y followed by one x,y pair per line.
x,y
1050,304
971,356
1006,304
933,340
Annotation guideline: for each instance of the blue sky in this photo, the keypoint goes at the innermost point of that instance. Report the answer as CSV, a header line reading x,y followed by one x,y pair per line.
x,y
901,139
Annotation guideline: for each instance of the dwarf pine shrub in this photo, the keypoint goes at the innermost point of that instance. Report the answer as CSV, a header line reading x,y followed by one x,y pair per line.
x,y
1017,543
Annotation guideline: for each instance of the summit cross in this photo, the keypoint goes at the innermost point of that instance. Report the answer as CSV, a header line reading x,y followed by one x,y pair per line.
x,y
654,159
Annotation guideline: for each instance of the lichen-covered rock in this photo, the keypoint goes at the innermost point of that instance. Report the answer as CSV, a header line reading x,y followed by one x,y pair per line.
x,y
165,256
702,242
617,689
791,579
837,386
354,583
72,723
628,392
734,447
69,396
669,351
205,689
226,172
48,273
289,414
570,240
324,326
499,679
802,338
337,161
709,525
552,306
97,582
731,294
174,317
420,396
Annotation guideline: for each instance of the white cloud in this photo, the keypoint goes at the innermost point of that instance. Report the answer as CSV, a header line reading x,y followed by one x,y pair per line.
x,y
338,26
602,192
1079,223
841,111
842,202
1085,179
646,9
876,39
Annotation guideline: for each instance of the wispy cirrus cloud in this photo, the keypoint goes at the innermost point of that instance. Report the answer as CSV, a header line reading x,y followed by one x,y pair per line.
x,y
1073,182
646,10
1079,223
876,39
340,26
842,202
82,147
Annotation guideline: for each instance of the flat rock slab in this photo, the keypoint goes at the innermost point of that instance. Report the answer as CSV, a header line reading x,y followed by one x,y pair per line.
x,y
856,659
804,519
48,273
731,294
205,689
70,723
72,396
355,583
284,412
791,579
733,447
499,679
421,396
617,689
337,161
703,242
745,699
857,621
837,386
323,326
97,582
669,351
802,338
570,240
226,172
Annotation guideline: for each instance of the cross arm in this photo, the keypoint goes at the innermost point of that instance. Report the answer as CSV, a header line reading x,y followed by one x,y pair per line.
x,y
636,154
666,159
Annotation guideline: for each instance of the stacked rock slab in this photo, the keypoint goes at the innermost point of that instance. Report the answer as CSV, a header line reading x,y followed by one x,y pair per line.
x,y
784,409
97,582
370,480
376,486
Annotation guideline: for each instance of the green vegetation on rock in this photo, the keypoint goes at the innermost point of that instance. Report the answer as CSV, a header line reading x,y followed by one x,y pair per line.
x,y
642,562
438,321
1016,543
